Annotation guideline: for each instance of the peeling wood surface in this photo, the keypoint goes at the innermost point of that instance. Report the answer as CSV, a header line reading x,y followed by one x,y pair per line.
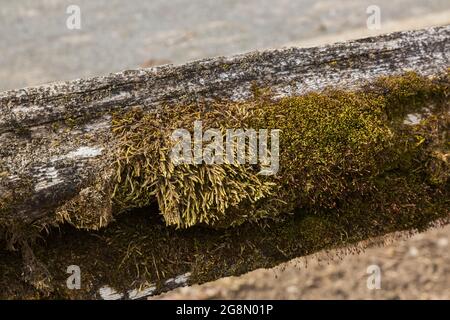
x,y
55,138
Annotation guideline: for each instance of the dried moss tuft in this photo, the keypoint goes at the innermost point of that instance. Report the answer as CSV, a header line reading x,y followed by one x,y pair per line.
x,y
187,194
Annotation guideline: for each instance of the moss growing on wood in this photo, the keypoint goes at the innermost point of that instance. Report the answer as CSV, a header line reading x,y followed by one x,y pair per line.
x,y
138,250
187,194
334,145
350,170
91,209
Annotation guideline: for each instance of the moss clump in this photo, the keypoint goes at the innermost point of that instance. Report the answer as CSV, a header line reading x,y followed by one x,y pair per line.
x,y
138,250
187,194
335,145
350,170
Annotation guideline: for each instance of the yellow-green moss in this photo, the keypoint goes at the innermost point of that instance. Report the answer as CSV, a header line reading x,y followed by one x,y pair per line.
x,y
186,194
350,170
334,144
139,249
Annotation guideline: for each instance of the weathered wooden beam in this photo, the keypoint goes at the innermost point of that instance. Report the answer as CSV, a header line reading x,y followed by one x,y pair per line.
x,y
55,138
56,142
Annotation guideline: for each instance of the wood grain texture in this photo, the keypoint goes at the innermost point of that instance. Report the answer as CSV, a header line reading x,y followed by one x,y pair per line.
x,y
55,138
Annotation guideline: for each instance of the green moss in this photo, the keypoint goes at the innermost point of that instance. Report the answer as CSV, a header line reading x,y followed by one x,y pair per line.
x,y
350,170
186,194
334,144
138,249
